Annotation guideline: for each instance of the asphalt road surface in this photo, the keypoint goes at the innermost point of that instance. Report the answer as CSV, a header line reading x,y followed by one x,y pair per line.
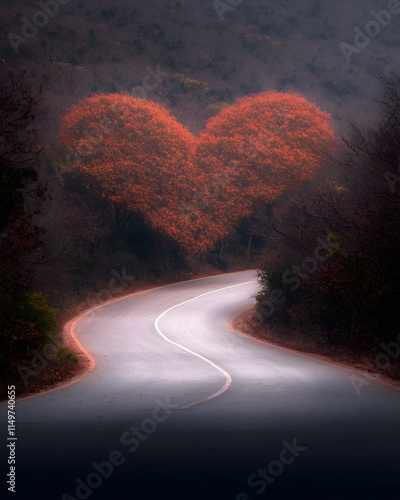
x,y
180,407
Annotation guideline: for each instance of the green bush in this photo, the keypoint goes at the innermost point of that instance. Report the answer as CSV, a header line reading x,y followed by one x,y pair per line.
x,y
35,310
64,354
28,323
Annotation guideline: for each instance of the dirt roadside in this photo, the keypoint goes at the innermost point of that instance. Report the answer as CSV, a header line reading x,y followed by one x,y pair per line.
x,y
246,324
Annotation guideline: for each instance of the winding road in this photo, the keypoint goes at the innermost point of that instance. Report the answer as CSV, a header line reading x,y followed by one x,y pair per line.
x,y
179,406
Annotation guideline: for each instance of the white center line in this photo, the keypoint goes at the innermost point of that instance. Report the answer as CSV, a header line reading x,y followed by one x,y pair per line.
x,y
228,378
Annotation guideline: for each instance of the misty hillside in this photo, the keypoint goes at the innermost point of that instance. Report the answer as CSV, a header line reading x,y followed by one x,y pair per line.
x,y
94,47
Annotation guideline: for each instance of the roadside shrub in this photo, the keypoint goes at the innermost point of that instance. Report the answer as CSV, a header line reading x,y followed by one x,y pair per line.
x,y
27,324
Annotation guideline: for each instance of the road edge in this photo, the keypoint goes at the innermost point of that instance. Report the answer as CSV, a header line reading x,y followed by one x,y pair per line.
x,y
386,381
68,333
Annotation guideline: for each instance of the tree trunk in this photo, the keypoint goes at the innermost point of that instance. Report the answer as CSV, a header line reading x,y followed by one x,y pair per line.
x,y
248,252
221,252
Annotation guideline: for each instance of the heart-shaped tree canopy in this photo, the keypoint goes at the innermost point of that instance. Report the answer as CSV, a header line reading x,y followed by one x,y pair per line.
x,y
195,190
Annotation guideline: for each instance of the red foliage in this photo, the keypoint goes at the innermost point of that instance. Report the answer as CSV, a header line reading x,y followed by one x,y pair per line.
x,y
140,156
195,190
263,145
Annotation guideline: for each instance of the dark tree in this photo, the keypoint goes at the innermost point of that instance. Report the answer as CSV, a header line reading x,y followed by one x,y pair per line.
x,y
351,298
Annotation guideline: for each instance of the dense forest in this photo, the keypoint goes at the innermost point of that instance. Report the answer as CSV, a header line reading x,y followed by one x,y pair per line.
x,y
333,272
147,143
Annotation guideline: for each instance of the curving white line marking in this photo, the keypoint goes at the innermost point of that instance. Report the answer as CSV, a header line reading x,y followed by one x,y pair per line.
x,y
228,378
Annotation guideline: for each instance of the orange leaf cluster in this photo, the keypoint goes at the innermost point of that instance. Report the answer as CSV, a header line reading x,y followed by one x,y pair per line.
x,y
196,189
264,145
